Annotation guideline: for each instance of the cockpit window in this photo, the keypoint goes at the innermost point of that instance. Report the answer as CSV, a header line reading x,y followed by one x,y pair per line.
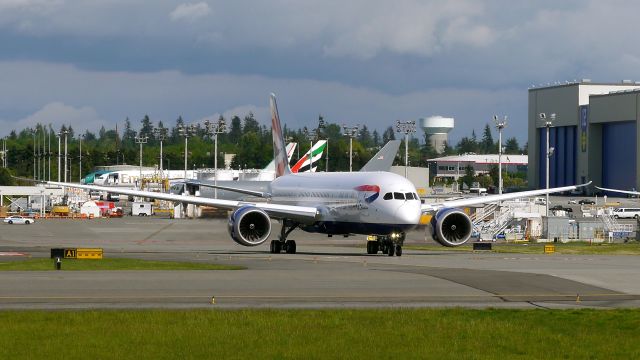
x,y
388,196
416,196
398,196
409,196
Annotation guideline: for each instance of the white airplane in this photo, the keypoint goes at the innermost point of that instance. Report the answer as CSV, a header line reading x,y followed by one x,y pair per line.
x,y
344,203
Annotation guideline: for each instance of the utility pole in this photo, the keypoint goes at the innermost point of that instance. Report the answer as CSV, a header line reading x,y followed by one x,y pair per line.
x,y
351,132
141,140
548,123
214,129
406,127
500,124
160,134
186,131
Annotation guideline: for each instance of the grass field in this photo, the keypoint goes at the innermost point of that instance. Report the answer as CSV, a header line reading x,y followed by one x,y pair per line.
x,y
314,334
110,264
631,248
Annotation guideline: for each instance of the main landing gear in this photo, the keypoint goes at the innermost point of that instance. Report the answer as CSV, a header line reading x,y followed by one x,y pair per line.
x,y
388,244
289,246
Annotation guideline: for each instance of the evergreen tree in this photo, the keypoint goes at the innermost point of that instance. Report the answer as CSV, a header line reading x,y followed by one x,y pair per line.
x,y
251,124
175,133
129,134
487,145
364,137
236,130
388,135
147,127
512,146
376,138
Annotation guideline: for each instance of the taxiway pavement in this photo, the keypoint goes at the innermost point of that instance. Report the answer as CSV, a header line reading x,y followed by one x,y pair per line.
x,y
326,272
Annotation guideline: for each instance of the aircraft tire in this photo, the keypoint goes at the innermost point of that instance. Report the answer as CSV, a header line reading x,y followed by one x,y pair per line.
x,y
370,248
398,250
290,246
391,250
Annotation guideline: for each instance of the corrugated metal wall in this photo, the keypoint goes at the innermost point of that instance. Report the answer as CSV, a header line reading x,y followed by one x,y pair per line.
x,y
619,155
563,162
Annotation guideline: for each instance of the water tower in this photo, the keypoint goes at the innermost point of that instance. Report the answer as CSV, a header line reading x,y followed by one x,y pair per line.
x,y
438,127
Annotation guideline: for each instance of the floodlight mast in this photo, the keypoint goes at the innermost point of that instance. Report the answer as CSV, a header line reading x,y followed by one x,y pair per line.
x,y
141,140
160,134
214,129
548,123
500,124
406,127
351,132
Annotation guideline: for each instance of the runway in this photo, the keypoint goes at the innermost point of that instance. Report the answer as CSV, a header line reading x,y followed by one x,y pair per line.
x,y
326,272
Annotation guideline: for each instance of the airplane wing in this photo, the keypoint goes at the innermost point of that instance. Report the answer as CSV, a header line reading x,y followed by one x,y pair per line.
x,y
277,211
383,159
628,192
494,198
233,189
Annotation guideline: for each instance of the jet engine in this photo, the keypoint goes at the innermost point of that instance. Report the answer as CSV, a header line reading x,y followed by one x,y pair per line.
x,y
451,227
249,226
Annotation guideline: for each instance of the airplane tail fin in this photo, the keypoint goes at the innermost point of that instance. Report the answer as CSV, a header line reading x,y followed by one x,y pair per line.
x,y
279,150
383,160
313,155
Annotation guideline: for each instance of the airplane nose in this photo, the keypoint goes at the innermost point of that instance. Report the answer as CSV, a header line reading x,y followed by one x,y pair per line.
x,y
408,213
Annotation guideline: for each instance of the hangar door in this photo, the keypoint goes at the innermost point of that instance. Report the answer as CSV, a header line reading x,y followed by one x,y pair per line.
x,y
562,165
619,149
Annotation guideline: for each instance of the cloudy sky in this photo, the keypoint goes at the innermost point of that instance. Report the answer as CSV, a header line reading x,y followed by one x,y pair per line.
x,y
88,63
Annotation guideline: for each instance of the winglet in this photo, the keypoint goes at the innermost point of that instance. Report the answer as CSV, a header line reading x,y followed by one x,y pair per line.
x,y
279,152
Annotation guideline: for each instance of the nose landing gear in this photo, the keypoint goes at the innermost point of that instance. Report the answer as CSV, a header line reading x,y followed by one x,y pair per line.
x,y
388,244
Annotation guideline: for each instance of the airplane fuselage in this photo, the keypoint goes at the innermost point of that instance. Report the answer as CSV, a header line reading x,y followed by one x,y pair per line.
x,y
358,202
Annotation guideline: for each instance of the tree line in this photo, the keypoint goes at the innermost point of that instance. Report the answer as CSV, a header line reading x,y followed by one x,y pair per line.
x,y
245,137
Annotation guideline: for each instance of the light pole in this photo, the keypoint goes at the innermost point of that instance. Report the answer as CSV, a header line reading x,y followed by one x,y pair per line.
x,y
141,140
500,124
548,123
321,125
66,132
33,132
160,134
49,153
310,135
214,129
80,137
4,152
351,132
186,131
59,135
406,127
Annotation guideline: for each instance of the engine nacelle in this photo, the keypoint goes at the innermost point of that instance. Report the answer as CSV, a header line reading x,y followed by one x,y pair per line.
x,y
451,227
249,226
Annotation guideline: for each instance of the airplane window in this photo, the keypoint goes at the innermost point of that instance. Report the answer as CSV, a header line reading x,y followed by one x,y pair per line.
x,y
398,196
388,196
409,196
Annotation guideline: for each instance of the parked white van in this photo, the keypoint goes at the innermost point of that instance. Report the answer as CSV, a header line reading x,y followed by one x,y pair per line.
x,y
626,213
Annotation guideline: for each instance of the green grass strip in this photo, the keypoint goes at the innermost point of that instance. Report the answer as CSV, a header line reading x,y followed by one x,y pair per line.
x,y
321,334
110,264
577,248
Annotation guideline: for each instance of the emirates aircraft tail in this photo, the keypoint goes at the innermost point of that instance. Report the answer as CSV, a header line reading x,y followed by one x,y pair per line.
x,y
312,156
